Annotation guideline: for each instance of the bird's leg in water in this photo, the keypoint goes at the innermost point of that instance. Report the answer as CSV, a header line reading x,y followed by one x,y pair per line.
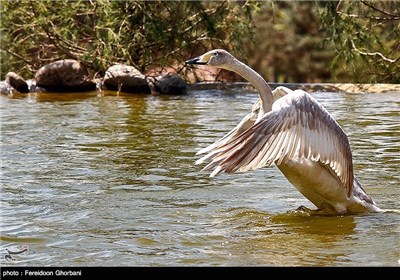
x,y
324,210
302,208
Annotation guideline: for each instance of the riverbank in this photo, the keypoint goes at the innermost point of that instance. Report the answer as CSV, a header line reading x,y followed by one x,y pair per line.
x,y
317,87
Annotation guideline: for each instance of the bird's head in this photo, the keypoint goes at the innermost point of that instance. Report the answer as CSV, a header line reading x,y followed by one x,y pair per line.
x,y
218,58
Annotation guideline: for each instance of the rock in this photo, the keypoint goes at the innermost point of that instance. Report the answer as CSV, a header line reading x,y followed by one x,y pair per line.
x,y
33,87
6,88
170,84
17,82
65,75
125,78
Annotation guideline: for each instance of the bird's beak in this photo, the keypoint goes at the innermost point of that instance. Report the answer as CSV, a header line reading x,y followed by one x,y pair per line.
x,y
201,60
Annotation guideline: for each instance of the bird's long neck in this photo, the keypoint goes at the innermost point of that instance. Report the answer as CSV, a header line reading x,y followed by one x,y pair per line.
x,y
256,81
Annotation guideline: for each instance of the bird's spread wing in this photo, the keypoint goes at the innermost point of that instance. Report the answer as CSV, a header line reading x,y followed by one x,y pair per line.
x,y
297,127
246,122
243,125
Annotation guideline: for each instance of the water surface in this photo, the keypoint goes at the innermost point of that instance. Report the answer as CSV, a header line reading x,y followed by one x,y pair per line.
x,y
110,180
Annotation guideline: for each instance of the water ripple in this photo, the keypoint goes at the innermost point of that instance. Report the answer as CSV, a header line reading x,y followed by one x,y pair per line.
x,y
110,181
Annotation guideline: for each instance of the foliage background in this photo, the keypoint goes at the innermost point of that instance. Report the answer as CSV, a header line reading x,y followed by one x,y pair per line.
x,y
286,41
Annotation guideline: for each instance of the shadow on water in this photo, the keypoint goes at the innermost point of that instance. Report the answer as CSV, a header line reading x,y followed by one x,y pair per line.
x,y
331,225
289,239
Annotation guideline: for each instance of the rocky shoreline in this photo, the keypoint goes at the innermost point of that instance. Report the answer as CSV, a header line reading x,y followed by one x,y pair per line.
x,y
70,75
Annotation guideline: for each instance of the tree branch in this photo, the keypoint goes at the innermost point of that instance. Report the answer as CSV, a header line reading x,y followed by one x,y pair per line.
x,y
371,53
391,16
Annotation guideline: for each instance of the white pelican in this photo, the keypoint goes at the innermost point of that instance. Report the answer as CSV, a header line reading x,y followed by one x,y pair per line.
x,y
294,131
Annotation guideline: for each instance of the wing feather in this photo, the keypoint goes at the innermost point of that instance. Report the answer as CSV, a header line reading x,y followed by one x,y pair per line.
x,y
244,124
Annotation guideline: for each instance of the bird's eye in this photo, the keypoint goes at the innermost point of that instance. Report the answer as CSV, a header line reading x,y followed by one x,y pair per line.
x,y
215,53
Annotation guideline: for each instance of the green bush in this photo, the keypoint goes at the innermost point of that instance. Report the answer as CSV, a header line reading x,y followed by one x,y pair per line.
x,y
366,39
100,33
286,41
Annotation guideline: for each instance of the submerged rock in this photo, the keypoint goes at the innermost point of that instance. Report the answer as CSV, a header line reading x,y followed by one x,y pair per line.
x,y
125,78
170,83
65,75
17,82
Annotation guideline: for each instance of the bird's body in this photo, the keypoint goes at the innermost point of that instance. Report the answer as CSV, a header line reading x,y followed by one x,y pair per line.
x,y
294,131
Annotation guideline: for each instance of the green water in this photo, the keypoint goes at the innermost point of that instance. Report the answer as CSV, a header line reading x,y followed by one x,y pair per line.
x,y
110,180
